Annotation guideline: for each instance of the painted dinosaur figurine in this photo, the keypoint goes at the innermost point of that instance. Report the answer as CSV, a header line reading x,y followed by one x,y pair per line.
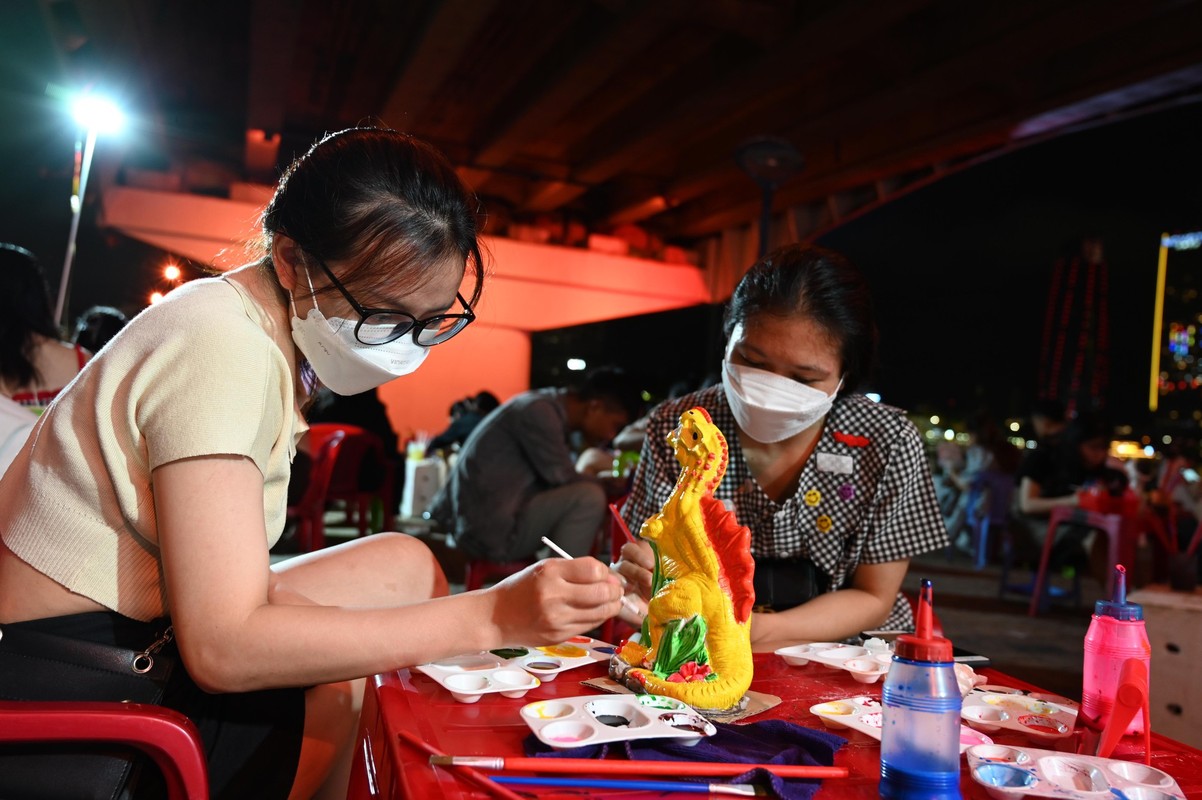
x,y
696,639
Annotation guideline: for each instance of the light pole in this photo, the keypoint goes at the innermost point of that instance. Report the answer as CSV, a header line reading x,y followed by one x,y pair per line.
x,y
95,115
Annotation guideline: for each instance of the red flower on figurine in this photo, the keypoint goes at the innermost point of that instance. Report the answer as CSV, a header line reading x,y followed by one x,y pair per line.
x,y
851,440
690,672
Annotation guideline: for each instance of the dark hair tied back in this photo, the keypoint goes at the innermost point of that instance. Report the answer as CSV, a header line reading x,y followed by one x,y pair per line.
x,y
804,280
381,201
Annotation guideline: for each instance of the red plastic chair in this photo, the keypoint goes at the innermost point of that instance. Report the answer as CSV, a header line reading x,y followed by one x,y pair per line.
x,y
361,450
167,737
309,512
1109,524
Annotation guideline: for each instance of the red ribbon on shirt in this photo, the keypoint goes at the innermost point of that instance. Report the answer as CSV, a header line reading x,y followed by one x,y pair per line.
x,y
851,440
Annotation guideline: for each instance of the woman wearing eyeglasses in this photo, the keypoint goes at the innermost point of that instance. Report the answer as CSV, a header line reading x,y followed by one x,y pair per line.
x,y
157,481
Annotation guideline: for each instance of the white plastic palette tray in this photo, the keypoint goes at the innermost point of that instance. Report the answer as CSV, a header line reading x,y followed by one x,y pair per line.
x,y
1010,772
512,671
1041,718
863,714
865,665
575,721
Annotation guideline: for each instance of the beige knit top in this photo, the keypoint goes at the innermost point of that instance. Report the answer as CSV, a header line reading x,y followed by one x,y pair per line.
x,y
195,374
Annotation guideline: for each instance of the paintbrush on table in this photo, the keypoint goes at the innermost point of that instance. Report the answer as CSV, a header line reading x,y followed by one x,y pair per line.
x,y
611,766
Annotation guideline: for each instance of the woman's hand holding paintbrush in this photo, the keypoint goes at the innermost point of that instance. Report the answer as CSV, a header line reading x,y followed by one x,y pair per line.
x,y
629,609
562,598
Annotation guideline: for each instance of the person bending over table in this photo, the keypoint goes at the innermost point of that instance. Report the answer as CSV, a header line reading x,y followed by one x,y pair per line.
x,y
166,504
516,481
834,487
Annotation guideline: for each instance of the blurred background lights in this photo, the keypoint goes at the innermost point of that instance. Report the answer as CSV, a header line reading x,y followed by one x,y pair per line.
x,y
155,297
171,272
935,420
576,364
1014,426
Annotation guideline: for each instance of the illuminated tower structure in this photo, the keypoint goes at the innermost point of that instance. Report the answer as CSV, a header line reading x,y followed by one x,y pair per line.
x,y
1074,361
1175,388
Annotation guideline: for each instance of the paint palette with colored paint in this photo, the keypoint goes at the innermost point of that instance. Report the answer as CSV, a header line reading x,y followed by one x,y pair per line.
x,y
566,722
1037,717
863,714
865,665
514,670
1011,772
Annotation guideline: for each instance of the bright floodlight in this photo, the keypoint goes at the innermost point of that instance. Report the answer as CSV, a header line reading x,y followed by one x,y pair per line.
x,y
171,272
97,114
576,364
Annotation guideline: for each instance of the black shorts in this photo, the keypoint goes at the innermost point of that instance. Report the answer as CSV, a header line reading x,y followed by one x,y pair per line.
x,y
252,740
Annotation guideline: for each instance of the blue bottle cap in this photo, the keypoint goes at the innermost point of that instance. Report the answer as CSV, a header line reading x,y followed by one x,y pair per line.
x,y
1118,606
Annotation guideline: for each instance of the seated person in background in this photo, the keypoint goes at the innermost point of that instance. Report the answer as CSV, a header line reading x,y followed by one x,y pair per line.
x,y
1053,476
835,488
987,452
96,326
466,414
35,364
515,480
1048,420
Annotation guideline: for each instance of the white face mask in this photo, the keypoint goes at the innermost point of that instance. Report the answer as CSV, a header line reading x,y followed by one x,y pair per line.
x,y
770,407
343,363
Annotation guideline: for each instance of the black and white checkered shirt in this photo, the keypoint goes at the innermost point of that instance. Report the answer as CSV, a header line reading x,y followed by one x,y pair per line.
x,y
865,496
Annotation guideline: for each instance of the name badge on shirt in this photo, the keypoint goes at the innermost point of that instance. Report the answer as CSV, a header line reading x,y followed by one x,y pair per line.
x,y
833,462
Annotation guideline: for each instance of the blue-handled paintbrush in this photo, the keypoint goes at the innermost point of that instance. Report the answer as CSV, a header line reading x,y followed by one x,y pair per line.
x,y
740,789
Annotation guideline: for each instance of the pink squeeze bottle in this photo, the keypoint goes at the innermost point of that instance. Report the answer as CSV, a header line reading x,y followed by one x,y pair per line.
x,y
1115,634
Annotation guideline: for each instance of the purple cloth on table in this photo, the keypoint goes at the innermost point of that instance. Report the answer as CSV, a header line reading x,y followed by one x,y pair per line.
x,y
768,742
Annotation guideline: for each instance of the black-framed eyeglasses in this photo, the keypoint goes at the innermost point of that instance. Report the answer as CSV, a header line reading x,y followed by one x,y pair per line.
x,y
384,325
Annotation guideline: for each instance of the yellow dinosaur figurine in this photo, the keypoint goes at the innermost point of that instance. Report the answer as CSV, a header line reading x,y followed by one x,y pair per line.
x,y
696,639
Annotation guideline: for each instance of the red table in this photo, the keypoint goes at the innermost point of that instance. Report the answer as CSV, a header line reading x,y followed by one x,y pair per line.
x,y
387,766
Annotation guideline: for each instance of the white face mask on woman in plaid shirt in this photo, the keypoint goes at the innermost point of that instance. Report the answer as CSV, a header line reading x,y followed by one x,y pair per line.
x,y
770,407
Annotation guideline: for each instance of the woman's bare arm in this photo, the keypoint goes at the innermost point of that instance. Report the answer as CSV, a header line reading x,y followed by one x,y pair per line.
x,y
233,637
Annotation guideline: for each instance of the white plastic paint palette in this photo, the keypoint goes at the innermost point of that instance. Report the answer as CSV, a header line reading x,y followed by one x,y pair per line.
x,y
1012,772
1036,718
512,671
863,714
865,665
576,721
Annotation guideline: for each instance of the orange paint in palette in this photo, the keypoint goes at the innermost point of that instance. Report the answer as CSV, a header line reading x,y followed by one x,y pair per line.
x,y
513,670
565,651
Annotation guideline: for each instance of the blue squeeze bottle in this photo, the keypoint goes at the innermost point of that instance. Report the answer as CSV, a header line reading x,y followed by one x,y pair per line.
x,y
920,731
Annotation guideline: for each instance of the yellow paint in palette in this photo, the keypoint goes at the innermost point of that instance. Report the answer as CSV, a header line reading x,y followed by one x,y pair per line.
x,y
541,711
565,651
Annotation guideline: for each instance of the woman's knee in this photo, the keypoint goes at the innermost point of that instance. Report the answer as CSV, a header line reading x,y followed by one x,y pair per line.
x,y
409,557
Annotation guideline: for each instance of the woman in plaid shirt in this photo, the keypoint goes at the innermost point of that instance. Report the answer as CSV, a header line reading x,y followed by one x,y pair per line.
x,y
834,487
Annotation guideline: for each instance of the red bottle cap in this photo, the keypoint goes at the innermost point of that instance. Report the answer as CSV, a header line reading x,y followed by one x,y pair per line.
x,y
922,645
